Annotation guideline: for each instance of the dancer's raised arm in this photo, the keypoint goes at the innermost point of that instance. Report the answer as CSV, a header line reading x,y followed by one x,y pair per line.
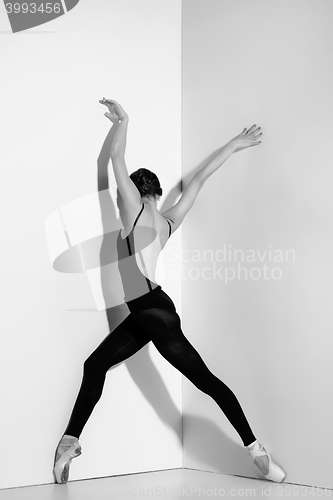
x,y
248,137
128,191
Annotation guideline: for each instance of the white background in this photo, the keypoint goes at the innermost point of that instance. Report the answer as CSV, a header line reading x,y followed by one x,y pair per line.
x,y
53,130
268,63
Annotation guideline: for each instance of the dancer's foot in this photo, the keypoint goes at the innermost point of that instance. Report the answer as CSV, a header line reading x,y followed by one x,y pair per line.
x,y
67,449
263,460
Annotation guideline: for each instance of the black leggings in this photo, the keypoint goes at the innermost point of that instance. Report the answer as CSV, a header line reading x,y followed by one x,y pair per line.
x,y
153,318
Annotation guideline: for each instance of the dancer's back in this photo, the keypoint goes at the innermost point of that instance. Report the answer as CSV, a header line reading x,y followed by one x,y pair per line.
x,y
138,251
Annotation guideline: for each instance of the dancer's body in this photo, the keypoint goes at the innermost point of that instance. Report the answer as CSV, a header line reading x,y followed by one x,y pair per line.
x,y
153,316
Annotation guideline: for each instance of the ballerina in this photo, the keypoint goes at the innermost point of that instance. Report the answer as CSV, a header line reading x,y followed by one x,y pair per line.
x,y
153,316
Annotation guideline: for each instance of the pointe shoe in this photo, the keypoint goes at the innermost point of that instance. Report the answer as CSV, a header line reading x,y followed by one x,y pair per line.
x,y
67,449
263,460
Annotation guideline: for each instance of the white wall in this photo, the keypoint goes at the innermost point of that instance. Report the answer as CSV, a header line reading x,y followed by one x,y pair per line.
x,y
270,340
53,130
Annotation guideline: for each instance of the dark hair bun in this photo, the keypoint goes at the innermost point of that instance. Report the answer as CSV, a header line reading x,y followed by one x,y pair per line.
x,y
147,182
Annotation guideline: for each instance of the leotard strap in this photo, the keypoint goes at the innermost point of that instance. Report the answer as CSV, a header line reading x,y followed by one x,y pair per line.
x,y
169,227
136,220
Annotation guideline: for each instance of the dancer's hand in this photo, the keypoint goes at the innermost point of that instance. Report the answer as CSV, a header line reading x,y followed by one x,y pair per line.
x,y
116,112
248,137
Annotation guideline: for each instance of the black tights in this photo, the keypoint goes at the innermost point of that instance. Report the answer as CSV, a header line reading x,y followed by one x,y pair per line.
x,y
153,318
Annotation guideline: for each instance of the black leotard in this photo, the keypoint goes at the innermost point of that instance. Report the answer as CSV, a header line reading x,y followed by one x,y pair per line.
x,y
135,283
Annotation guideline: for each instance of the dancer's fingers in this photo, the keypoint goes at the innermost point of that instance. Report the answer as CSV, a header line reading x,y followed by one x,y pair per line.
x,y
251,129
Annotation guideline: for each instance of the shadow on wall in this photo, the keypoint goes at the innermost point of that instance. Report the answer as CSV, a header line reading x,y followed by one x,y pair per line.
x,y
140,367
217,451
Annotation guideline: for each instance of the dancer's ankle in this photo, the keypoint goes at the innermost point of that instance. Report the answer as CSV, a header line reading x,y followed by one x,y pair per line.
x,y
251,446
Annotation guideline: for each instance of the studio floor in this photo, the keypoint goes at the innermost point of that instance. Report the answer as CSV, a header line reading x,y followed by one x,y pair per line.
x,y
167,484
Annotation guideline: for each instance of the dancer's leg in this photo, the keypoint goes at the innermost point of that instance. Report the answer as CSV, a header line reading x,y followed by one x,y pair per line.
x,y
127,339
162,324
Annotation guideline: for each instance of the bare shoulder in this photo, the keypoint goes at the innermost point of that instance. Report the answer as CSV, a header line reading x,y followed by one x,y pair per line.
x,y
154,218
130,213
169,215
132,210
179,210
